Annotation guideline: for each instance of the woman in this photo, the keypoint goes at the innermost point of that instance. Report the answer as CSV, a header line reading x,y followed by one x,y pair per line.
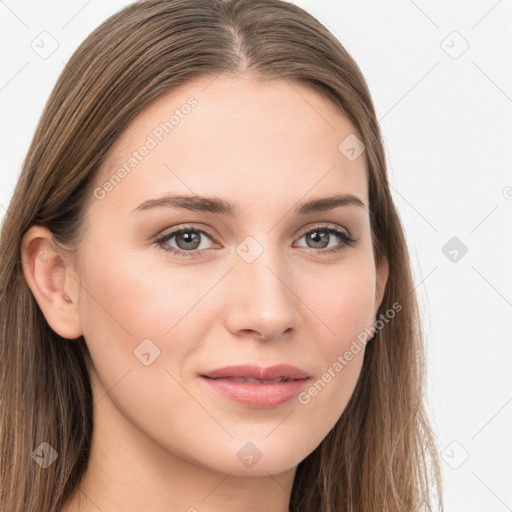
x,y
207,300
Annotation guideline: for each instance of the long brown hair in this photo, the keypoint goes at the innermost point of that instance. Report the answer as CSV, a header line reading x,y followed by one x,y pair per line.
x,y
381,454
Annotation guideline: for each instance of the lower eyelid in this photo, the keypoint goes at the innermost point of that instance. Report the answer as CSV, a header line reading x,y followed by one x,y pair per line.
x,y
343,237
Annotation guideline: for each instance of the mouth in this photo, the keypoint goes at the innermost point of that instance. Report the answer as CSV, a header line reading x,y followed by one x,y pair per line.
x,y
250,380
255,386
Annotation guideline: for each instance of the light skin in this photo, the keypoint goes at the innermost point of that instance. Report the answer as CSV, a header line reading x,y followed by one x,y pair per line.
x,y
162,439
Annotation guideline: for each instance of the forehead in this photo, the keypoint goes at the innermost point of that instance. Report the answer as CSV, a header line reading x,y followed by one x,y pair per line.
x,y
263,140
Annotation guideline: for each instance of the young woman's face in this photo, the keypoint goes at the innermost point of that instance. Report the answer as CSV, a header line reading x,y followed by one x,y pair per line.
x,y
253,277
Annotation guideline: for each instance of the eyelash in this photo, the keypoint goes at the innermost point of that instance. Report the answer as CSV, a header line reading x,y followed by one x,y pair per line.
x,y
346,238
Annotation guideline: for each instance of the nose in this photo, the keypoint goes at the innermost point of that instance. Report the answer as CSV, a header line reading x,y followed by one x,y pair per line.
x,y
261,301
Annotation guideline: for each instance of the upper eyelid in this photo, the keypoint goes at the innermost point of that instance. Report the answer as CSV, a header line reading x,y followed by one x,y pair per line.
x,y
173,231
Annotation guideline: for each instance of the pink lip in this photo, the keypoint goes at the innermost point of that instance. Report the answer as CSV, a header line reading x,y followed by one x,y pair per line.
x,y
259,395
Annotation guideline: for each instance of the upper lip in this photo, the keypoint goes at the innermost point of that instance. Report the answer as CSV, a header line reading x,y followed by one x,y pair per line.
x,y
257,372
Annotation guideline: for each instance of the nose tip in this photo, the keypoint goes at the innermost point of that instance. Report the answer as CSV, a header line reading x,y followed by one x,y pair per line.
x,y
262,304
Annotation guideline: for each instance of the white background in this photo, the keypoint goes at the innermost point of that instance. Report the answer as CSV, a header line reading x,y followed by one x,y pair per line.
x,y
447,125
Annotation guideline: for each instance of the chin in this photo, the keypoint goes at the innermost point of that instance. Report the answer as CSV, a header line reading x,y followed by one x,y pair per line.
x,y
256,458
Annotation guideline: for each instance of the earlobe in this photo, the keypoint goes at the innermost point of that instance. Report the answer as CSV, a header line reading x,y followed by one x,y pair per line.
x,y
50,278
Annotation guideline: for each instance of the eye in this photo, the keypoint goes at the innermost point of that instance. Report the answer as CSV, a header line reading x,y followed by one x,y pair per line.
x,y
188,241
321,237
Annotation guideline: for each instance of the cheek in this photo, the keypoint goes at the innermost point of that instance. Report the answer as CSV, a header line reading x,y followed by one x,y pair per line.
x,y
346,308
119,308
128,296
126,302
346,304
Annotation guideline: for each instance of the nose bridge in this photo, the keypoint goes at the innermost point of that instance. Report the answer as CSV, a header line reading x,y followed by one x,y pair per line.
x,y
262,300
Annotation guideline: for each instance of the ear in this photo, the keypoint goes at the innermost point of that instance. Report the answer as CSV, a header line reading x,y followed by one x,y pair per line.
x,y
382,278
51,278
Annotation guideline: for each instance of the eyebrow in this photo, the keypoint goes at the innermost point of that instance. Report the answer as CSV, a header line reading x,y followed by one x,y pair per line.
x,y
220,206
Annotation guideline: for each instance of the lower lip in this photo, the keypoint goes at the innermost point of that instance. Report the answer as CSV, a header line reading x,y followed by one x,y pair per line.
x,y
257,395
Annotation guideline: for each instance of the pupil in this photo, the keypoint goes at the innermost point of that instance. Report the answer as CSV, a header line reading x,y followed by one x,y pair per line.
x,y
318,235
187,237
